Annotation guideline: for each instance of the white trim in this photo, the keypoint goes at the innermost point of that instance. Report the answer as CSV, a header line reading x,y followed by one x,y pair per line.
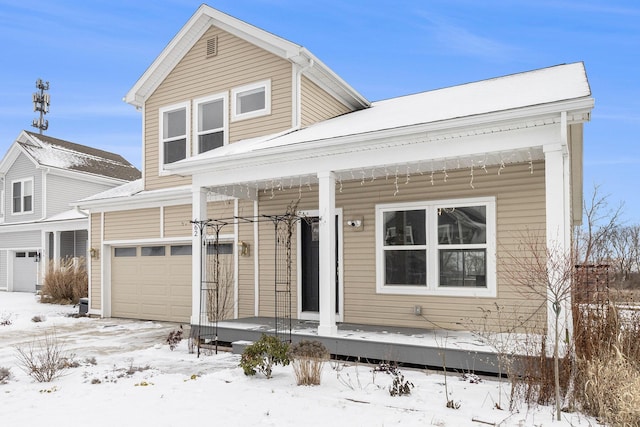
x,y
186,105
237,91
236,260
196,114
307,315
432,280
161,222
256,262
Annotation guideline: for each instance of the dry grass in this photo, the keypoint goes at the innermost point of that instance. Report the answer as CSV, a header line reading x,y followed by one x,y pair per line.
x,y
607,368
66,283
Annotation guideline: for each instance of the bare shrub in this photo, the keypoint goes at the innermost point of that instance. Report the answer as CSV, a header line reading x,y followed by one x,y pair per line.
x,y
174,338
38,318
308,358
66,282
44,360
5,374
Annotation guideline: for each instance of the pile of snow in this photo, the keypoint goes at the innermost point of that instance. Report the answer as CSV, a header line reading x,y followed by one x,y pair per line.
x,y
126,374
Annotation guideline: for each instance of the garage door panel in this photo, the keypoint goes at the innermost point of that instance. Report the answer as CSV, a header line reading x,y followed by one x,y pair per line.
x,y
151,287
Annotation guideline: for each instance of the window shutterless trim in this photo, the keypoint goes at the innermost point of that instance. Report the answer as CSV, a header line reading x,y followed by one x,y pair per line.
x,y
196,115
22,211
432,249
161,140
239,91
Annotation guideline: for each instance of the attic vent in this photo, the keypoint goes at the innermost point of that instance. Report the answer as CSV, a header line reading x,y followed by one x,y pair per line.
x,y
212,46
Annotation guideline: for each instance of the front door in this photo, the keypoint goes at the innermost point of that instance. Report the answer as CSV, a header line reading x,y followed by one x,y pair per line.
x,y
310,265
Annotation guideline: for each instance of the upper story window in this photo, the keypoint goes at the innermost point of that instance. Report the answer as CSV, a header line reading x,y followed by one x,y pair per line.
x,y
251,100
437,248
210,122
174,133
22,196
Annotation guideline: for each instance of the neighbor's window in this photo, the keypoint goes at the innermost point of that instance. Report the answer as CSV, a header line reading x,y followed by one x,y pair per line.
x,y
22,196
210,122
441,248
174,133
252,100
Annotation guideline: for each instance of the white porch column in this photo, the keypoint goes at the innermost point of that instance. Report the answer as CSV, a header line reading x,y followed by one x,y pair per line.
x,y
198,213
558,233
327,264
56,248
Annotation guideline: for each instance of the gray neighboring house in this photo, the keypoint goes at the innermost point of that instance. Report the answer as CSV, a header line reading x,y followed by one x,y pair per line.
x,y
40,177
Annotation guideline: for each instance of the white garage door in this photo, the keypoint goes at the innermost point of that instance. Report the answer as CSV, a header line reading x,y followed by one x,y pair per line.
x,y
151,282
25,271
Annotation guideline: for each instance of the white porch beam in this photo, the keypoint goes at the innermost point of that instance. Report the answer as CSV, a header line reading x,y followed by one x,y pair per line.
x,y
327,264
198,213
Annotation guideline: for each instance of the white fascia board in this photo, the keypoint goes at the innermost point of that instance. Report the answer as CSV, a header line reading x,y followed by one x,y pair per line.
x,y
401,151
174,196
12,155
82,176
535,116
190,33
63,225
168,58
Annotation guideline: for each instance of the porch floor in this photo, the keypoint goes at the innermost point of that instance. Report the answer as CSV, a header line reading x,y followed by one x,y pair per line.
x,y
461,350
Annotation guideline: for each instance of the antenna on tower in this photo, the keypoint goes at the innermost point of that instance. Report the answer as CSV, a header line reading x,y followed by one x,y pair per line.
x,y
41,101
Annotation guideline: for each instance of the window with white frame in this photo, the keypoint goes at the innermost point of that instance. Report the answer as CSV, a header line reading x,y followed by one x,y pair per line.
x,y
22,196
210,122
174,133
252,100
442,247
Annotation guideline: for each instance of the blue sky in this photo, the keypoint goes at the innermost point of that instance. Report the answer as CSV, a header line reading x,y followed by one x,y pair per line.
x,y
92,53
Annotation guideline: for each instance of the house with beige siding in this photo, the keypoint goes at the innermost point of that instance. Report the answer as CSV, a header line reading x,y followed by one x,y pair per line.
x,y
412,206
40,176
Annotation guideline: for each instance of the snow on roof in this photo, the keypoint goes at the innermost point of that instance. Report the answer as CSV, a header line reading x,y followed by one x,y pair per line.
x,y
538,87
71,214
61,154
124,190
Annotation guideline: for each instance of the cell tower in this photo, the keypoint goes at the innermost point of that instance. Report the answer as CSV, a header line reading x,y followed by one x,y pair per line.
x,y
41,101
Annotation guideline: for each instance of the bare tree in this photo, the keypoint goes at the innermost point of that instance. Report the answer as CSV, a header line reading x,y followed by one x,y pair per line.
x,y
591,239
546,271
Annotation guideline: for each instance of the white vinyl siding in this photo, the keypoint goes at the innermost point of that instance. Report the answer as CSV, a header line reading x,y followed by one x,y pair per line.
x,y
62,191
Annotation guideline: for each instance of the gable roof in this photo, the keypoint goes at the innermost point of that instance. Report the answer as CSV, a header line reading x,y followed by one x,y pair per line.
x,y
50,152
534,93
206,17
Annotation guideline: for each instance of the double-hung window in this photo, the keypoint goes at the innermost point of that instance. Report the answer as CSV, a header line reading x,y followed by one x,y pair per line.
x,y
22,196
210,122
174,133
251,100
437,248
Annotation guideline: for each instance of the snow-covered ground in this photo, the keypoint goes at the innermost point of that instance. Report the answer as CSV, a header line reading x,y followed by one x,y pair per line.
x,y
128,376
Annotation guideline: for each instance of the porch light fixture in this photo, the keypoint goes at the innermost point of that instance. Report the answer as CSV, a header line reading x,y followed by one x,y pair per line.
x,y
356,223
36,258
243,248
94,253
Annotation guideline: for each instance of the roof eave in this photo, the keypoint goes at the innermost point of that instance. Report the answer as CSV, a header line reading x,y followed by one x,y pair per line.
x,y
579,109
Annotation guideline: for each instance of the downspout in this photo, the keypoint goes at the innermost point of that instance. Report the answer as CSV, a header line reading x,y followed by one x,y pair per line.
x,y
297,102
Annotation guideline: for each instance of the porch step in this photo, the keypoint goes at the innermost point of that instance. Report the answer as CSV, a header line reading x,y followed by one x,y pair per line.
x,y
238,346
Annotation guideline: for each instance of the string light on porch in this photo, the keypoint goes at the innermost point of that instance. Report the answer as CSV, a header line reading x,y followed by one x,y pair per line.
x,y
396,183
408,175
471,182
530,161
340,181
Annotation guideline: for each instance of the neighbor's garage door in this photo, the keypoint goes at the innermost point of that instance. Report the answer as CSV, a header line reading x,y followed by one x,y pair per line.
x,y
151,282
25,271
